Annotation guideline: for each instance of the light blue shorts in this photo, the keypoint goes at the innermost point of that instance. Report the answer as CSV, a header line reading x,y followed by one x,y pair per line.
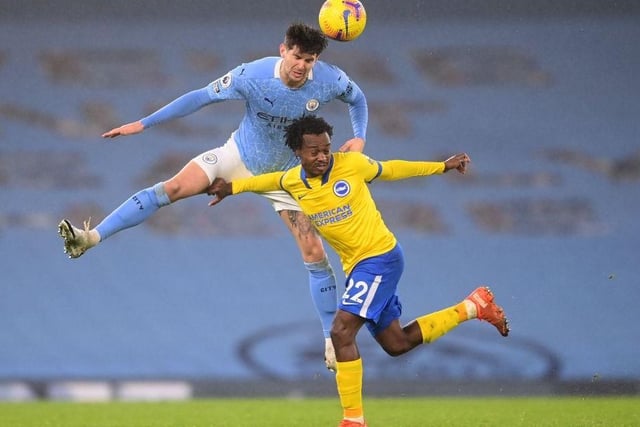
x,y
371,290
225,162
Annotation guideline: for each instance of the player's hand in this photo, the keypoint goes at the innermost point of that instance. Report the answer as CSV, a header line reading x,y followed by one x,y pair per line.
x,y
354,144
128,129
220,189
458,162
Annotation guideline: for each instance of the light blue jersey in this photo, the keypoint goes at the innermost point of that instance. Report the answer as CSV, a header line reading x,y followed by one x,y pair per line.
x,y
270,107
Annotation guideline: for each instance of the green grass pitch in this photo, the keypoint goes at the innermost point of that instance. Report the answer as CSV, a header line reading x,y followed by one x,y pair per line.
x,y
325,412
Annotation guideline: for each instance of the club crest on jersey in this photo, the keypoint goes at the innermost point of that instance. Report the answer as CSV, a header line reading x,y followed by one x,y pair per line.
x,y
210,158
225,81
222,82
312,105
341,188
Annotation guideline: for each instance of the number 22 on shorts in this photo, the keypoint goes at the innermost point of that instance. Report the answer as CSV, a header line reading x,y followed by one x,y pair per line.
x,y
354,294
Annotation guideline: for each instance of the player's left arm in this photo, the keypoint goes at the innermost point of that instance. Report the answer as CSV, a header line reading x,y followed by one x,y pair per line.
x,y
392,170
359,114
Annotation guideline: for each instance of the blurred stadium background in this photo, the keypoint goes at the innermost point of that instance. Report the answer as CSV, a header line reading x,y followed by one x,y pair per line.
x,y
199,302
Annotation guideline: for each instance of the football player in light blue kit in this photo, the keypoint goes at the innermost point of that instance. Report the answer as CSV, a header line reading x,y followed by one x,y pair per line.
x,y
276,90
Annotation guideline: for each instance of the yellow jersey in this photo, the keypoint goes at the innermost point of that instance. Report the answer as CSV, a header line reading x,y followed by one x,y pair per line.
x,y
339,203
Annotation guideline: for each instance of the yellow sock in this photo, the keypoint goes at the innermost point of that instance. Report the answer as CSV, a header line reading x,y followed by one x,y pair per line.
x,y
435,325
349,381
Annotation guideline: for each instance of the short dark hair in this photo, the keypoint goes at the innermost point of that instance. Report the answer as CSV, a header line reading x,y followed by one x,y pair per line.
x,y
305,125
308,39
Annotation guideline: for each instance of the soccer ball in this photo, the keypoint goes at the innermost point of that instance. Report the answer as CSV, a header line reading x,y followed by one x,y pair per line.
x,y
342,20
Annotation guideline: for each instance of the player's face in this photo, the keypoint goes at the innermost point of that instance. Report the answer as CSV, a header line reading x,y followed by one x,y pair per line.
x,y
315,154
296,66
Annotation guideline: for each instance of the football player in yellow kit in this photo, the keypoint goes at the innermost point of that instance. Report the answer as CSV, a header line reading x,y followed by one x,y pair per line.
x,y
332,190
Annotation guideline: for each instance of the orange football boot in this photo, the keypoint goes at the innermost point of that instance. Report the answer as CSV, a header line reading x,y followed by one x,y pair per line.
x,y
488,310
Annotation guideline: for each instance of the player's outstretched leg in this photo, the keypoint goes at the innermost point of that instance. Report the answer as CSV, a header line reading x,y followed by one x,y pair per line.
x,y
132,212
488,310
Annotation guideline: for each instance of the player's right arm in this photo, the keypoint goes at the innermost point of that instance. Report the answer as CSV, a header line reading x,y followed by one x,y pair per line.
x,y
256,184
219,90
259,183
186,104
128,129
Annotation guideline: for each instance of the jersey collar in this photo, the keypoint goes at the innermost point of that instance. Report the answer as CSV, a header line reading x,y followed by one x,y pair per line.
x,y
325,176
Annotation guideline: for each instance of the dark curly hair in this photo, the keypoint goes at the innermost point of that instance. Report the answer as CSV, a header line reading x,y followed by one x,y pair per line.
x,y
306,125
308,39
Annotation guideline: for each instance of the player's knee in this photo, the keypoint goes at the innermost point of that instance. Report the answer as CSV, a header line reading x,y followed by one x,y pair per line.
x,y
173,189
393,351
176,190
395,348
191,180
341,334
337,335
161,195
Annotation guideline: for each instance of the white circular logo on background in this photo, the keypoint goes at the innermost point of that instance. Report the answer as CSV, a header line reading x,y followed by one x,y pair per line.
x,y
210,158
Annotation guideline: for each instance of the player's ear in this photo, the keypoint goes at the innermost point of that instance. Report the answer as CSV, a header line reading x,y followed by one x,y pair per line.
x,y
283,49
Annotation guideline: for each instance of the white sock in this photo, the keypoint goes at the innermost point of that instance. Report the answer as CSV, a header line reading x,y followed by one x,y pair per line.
x,y
472,311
